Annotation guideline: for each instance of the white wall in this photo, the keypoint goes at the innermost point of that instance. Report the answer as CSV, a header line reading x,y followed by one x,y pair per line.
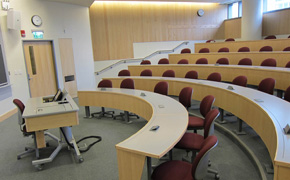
x,y
59,21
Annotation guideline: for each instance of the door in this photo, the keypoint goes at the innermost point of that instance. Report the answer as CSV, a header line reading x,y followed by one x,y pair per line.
x,y
68,66
40,68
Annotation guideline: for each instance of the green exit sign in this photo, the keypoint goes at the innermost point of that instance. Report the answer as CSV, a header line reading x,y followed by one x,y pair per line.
x,y
37,34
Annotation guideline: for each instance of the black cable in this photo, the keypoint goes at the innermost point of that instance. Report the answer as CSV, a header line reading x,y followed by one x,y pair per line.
x,y
87,137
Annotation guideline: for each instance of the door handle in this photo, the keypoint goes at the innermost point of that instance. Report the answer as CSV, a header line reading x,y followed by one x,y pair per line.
x,y
29,78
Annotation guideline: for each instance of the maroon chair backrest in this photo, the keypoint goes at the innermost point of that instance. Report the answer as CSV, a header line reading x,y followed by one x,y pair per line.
x,y
287,94
127,84
201,61
288,64
20,106
229,39
240,81
200,163
146,72
245,61
270,37
163,61
286,48
106,83
206,104
224,49
191,75
124,72
208,122
266,48
186,50
215,77
269,62
267,85
161,88
244,49
185,96
183,61
210,40
145,62
223,61
203,50
168,73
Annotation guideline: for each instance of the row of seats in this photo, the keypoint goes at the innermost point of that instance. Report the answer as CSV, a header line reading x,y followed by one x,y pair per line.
x,y
242,49
232,39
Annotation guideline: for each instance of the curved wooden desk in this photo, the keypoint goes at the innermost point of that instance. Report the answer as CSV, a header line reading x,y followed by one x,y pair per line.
x,y
254,73
266,114
234,46
282,58
157,109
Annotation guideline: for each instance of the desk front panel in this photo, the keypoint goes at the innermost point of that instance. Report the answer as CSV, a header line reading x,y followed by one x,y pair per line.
x,y
234,46
282,58
228,73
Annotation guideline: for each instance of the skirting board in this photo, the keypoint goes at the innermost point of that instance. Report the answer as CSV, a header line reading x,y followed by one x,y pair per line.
x,y
8,114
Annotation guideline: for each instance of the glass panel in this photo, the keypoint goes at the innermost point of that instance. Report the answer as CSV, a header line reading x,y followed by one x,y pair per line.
x,y
32,60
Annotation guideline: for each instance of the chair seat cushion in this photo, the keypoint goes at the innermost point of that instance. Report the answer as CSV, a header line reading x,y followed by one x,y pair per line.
x,y
190,141
195,122
173,170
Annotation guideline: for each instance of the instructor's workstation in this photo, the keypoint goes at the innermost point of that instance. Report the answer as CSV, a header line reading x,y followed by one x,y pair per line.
x,y
145,90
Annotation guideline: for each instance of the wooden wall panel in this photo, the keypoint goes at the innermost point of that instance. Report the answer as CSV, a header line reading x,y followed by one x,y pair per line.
x,y
276,22
115,26
233,28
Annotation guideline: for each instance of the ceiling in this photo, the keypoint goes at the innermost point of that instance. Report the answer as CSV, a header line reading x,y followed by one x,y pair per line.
x,y
88,3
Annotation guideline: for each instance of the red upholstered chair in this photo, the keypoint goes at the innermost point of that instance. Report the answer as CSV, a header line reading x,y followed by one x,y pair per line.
x,y
203,50
245,61
106,83
183,61
124,72
240,81
288,64
224,61
271,37
168,73
163,61
224,49
286,48
210,41
146,72
127,83
21,121
145,62
269,62
267,85
186,50
161,88
195,123
287,94
229,39
185,96
244,49
215,76
191,75
266,48
201,61
180,170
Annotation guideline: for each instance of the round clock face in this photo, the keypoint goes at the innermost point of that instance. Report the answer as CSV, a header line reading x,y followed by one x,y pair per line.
x,y
36,20
200,12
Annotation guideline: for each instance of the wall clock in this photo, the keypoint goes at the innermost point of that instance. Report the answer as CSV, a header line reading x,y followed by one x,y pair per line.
x,y
36,20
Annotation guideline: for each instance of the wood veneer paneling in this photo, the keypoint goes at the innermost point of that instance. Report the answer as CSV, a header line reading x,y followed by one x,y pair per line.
x,y
276,22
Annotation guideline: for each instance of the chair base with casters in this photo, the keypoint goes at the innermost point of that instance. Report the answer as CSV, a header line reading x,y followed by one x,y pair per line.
x,y
126,116
103,113
29,150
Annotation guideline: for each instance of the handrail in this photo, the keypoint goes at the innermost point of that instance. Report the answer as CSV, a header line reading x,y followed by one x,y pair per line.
x,y
140,59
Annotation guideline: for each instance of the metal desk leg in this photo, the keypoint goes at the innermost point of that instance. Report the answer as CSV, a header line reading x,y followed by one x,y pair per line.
x,y
126,114
149,168
222,121
279,93
88,113
240,128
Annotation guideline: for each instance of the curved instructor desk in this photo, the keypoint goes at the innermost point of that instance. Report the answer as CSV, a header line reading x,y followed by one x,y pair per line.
x,y
266,114
254,73
157,109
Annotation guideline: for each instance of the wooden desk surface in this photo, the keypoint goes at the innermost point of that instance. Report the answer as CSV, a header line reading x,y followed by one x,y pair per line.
x,y
265,113
254,73
281,57
157,109
277,45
